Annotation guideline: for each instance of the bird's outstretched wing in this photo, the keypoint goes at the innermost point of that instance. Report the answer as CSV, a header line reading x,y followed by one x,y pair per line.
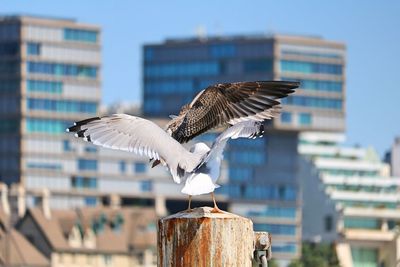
x,y
229,103
143,137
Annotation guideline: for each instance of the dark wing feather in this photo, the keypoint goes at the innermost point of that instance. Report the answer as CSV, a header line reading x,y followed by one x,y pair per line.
x,y
230,103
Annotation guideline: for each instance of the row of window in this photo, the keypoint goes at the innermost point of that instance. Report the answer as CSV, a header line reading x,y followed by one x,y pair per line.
x,y
363,223
317,85
222,50
310,54
61,105
9,49
80,182
43,165
285,193
340,172
182,69
262,192
87,164
369,204
280,212
276,229
285,248
59,69
34,125
52,87
240,174
168,87
315,102
310,67
304,119
80,35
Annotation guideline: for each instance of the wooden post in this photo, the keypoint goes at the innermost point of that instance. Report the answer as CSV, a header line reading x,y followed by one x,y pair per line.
x,y
201,238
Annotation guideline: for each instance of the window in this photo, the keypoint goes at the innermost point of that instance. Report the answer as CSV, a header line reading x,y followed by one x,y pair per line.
x,y
44,86
122,166
90,201
59,69
67,145
91,149
328,222
362,223
240,174
34,125
107,259
33,49
140,167
79,182
222,50
310,67
61,105
278,229
182,69
146,186
364,257
305,118
87,164
286,117
317,85
285,247
43,165
317,102
281,212
257,65
80,35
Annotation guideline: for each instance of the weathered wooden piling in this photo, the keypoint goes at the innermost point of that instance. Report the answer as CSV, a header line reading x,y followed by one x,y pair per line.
x,y
201,238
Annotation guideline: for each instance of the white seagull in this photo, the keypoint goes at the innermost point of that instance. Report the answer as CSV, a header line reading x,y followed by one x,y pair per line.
x,y
243,106
199,167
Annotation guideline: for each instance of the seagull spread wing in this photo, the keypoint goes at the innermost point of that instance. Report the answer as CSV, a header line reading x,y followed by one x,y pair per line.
x,y
143,137
229,103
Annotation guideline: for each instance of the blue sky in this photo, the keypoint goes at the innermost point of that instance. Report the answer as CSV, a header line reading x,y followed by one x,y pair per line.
x,y
371,30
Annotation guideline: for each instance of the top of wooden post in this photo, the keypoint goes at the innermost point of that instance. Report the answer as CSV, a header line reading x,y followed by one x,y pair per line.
x,y
203,212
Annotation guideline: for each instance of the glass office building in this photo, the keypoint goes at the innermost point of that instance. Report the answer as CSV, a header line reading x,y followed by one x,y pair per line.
x,y
50,77
261,175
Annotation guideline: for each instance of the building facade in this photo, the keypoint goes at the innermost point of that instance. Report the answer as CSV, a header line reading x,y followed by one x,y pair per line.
x,y
350,199
260,178
50,77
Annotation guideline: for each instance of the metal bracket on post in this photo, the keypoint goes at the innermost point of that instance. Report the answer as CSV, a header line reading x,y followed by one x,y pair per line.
x,y
262,248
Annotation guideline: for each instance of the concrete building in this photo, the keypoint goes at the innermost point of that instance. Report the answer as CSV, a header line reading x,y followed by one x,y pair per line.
x,y
260,177
349,198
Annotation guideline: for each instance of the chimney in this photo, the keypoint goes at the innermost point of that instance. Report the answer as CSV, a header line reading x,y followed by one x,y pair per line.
x,y
115,201
161,208
21,201
46,203
4,199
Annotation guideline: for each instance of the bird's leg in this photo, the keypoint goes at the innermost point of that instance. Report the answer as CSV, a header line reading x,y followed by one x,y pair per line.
x,y
215,209
190,200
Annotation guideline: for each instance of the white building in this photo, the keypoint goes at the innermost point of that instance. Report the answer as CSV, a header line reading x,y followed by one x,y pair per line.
x,y
349,199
